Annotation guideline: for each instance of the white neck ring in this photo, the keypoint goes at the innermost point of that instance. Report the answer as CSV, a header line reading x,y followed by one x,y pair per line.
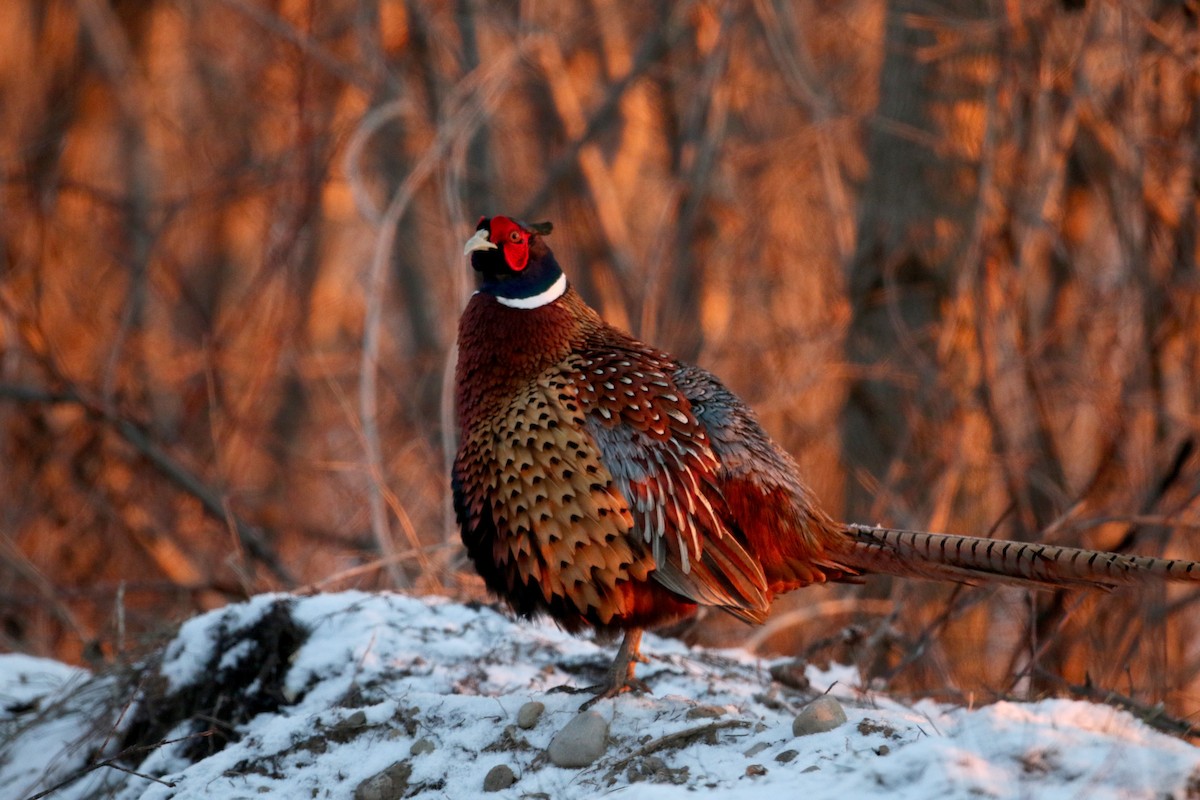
x,y
556,290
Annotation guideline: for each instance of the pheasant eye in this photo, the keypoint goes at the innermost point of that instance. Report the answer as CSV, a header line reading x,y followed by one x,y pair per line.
x,y
514,236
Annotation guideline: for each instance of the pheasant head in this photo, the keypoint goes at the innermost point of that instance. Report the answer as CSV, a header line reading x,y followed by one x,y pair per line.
x,y
513,264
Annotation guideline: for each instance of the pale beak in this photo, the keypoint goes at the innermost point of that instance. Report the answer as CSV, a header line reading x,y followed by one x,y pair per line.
x,y
478,242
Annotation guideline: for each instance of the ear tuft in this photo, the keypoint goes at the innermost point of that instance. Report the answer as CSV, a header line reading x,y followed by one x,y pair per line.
x,y
541,228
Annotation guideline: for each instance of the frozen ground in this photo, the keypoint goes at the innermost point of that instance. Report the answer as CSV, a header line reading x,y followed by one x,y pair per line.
x,y
313,697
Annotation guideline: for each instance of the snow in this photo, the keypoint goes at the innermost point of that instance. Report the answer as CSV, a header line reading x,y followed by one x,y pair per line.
x,y
25,679
378,673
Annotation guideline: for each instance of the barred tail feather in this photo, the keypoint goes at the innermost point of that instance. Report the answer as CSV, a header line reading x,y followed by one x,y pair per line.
x,y
971,560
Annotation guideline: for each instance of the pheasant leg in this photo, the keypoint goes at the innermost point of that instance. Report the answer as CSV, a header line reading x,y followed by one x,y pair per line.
x,y
620,675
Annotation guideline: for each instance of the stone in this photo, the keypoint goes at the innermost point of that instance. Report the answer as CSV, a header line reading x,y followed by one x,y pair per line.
x,y
390,784
756,748
422,746
792,674
705,712
580,742
499,777
529,714
348,729
355,720
823,714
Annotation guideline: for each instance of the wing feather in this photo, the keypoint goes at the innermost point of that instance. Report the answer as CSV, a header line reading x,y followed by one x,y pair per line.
x,y
660,457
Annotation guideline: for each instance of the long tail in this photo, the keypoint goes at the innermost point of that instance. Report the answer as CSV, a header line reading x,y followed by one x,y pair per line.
x,y
972,560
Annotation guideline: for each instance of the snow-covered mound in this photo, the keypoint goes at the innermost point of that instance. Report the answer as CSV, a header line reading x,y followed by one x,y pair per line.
x,y
376,697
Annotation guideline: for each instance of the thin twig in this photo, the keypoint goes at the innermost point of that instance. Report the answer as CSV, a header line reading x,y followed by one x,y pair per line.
x,y
1153,715
370,566
810,612
129,85
795,67
654,46
48,596
111,763
679,739
465,116
250,536
276,25
592,164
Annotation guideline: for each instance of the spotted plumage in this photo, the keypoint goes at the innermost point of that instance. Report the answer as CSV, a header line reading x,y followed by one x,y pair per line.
x,y
602,482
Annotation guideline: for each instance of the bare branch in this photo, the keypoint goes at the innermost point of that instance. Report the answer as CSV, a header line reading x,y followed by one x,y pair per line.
x,y
251,537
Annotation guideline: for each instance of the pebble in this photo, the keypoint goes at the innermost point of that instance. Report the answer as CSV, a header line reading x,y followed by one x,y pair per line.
x,y
499,777
422,746
823,714
793,674
756,748
391,784
347,729
705,712
580,742
529,714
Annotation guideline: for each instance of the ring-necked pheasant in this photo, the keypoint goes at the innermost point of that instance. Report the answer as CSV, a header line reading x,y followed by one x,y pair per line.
x,y
602,482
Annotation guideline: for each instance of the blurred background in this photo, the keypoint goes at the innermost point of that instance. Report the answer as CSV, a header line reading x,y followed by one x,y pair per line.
x,y
948,251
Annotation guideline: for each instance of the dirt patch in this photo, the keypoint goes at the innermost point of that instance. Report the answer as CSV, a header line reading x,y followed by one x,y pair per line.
x,y
227,694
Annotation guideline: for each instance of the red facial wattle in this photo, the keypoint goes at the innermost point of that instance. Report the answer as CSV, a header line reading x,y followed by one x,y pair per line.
x,y
513,240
